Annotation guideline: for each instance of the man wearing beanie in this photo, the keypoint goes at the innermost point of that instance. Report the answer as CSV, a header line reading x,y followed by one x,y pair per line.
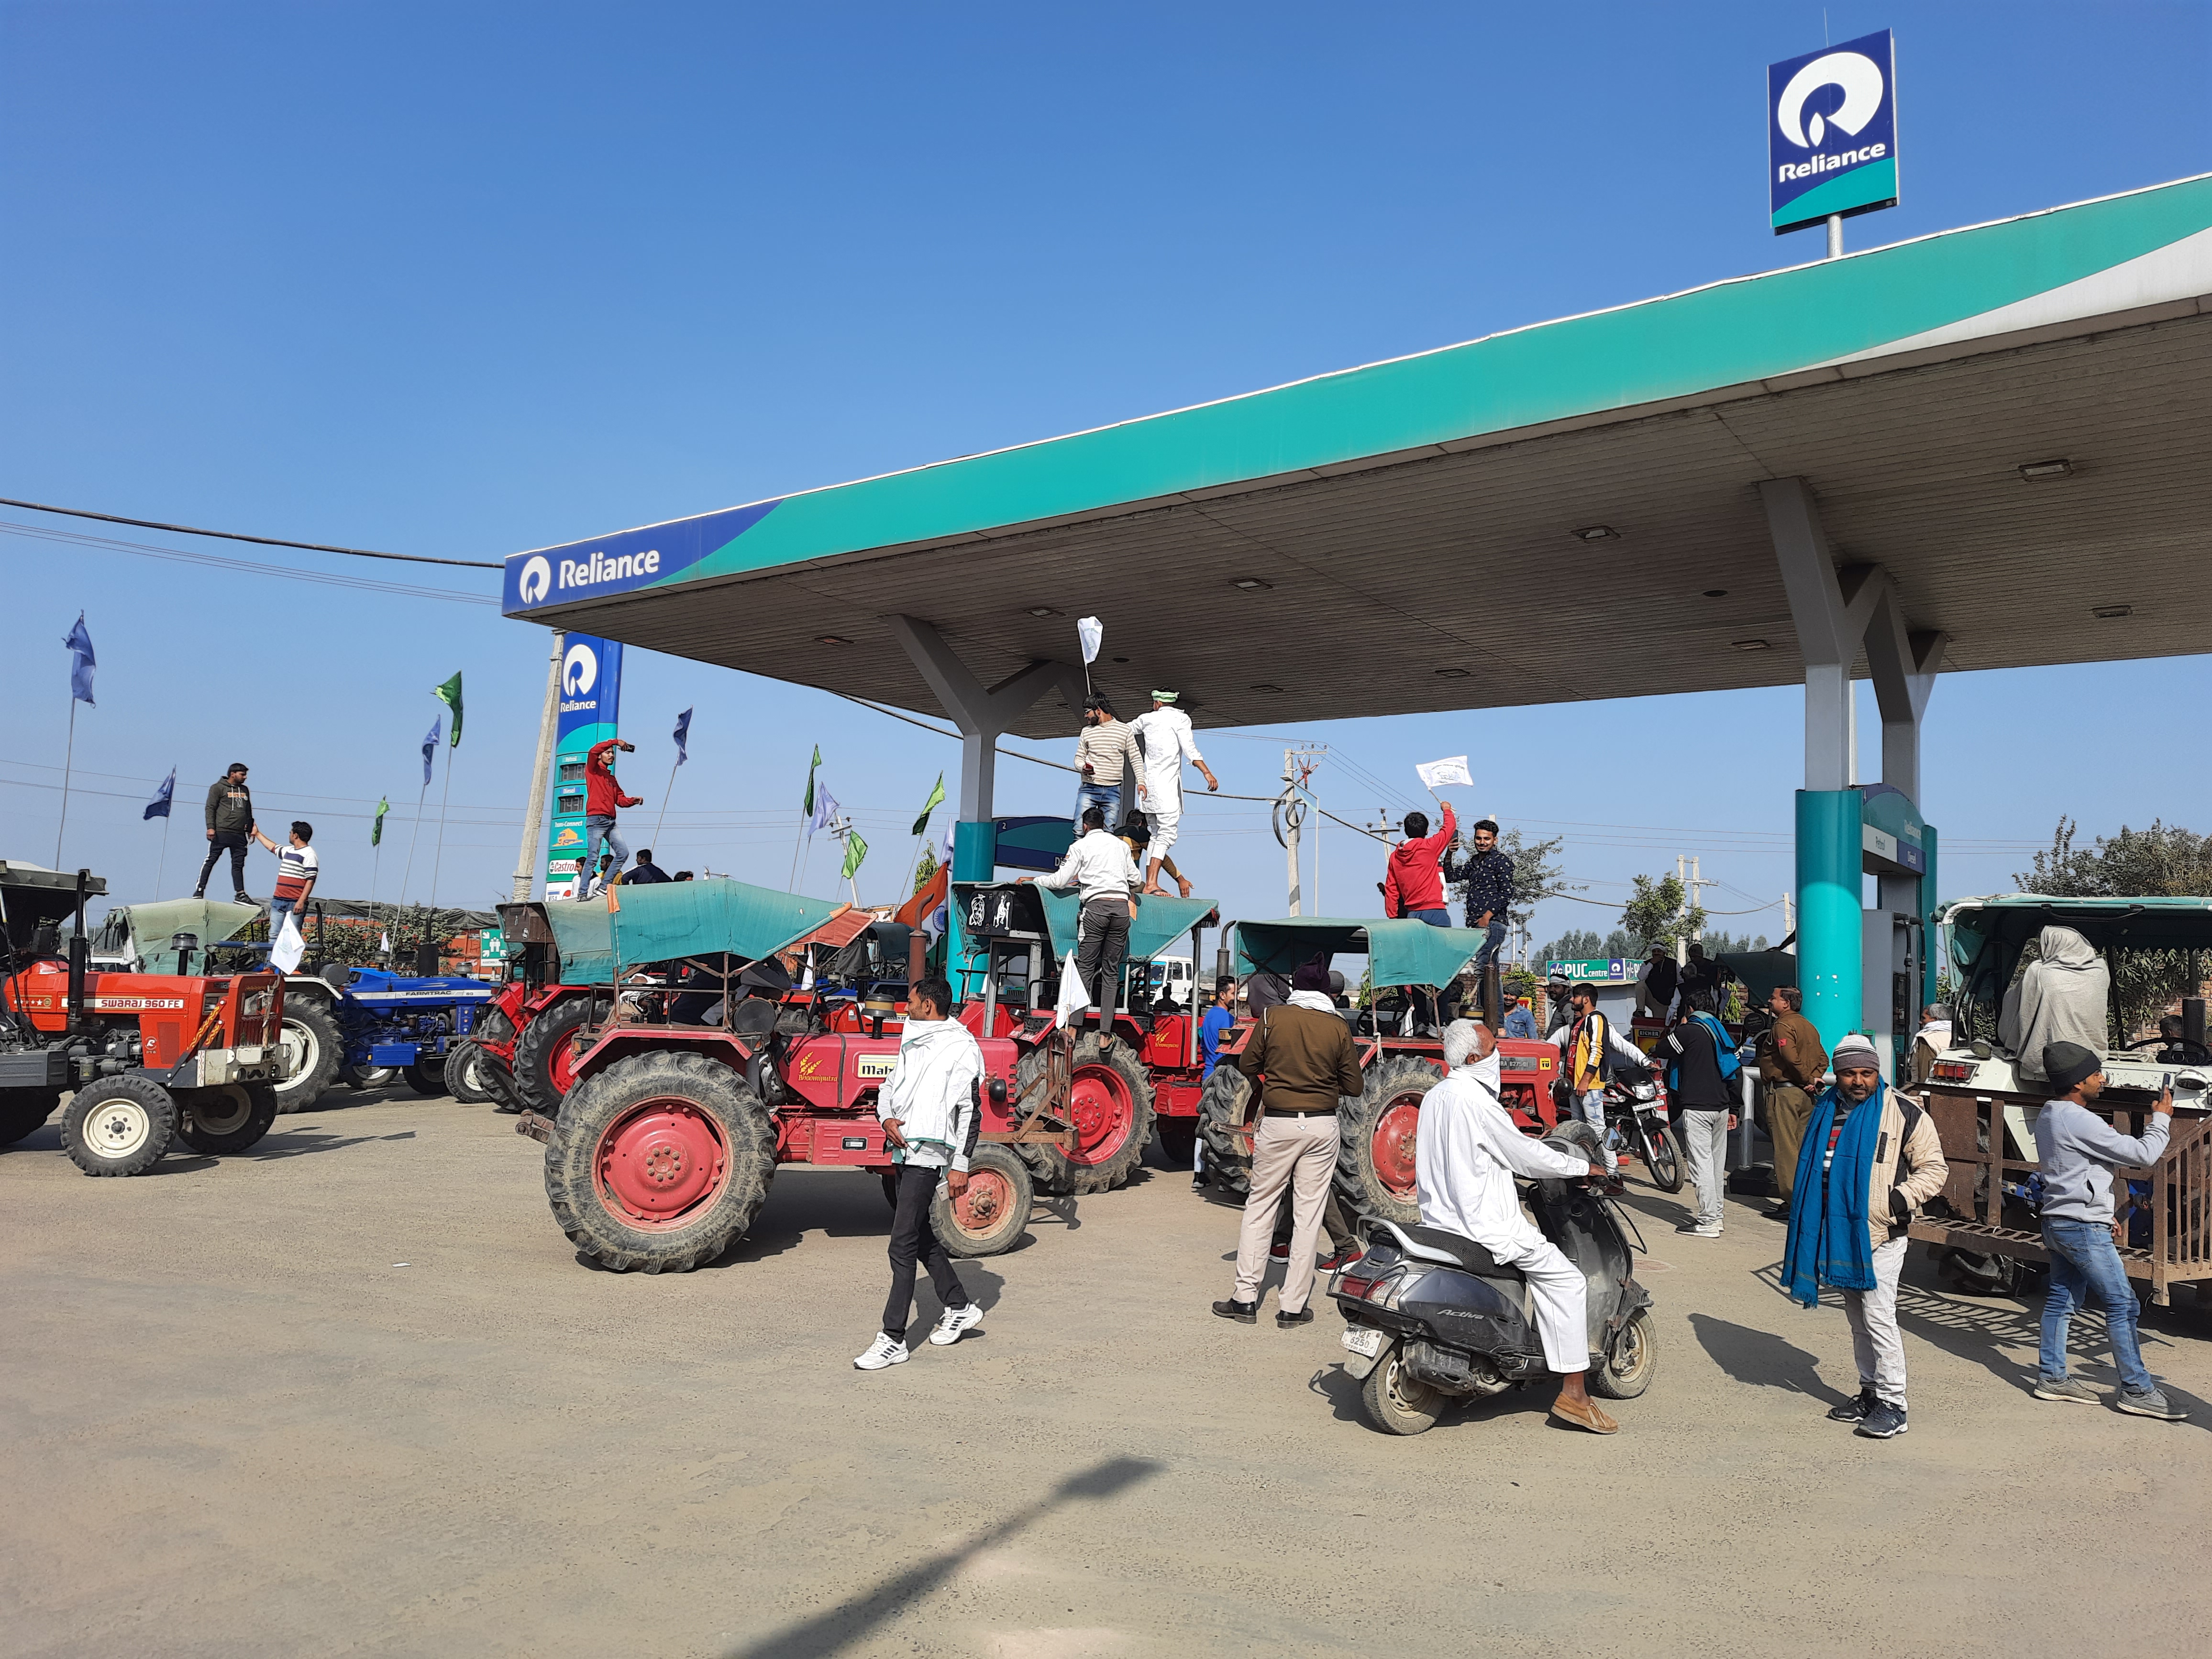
x,y
1305,1051
1870,1158
2078,1151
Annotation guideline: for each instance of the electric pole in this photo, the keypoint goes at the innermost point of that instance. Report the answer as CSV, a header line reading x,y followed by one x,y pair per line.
x,y
1290,816
1693,885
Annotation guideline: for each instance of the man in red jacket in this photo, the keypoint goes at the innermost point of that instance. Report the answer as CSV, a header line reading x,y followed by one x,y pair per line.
x,y
1413,886
602,797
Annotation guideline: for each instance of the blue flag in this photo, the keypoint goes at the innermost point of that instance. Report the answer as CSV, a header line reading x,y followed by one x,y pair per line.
x,y
683,735
159,806
430,748
80,661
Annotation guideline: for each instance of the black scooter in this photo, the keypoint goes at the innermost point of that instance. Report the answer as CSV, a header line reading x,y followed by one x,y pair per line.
x,y
1430,1317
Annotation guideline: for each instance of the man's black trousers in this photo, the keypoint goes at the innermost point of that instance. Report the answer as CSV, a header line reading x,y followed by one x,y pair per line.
x,y
913,1239
234,842
1105,929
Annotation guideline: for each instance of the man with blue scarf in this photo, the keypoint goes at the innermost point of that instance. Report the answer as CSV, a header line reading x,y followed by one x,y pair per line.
x,y
1871,1158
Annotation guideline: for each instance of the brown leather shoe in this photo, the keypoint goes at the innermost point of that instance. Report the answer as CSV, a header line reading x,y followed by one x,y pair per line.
x,y
1584,1414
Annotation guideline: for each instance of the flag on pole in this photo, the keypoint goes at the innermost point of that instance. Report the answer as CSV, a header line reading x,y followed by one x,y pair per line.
x,y
387,941
376,825
1435,775
683,735
159,806
825,809
1092,633
807,805
430,748
450,694
936,800
80,661
855,850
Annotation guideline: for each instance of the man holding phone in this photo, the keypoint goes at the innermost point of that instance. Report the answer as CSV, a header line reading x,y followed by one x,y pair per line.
x,y
2078,1152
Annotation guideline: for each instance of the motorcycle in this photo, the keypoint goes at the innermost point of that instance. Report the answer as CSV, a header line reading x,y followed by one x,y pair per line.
x,y
1430,1317
1636,1116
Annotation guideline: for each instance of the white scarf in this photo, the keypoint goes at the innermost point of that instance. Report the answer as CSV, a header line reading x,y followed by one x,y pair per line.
x,y
1316,1001
1484,1073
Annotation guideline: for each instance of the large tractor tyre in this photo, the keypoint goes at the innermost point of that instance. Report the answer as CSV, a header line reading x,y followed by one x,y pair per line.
x,y
466,1064
990,1215
119,1126
313,1050
426,1077
1374,1164
1110,1101
495,1076
1221,1104
22,1111
660,1163
543,1062
228,1118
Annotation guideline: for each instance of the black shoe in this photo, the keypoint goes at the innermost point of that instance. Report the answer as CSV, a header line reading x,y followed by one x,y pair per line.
x,y
1884,1422
1285,1321
199,895
244,898
1199,1183
1244,1313
1853,1410
1778,1212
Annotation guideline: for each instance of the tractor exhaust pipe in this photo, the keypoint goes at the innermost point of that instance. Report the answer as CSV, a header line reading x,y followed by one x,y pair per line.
x,y
80,957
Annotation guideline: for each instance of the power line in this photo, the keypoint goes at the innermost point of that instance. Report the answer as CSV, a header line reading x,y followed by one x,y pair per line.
x,y
237,536
176,554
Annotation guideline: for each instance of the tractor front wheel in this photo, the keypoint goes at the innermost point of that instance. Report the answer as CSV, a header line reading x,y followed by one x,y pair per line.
x,y
543,1062
1110,1102
313,1048
119,1126
228,1118
427,1077
1223,1106
990,1215
660,1163
1374,1164
465,1066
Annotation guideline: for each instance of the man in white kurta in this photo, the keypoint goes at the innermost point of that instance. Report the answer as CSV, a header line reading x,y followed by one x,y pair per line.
x,y
1165,736
1466,1151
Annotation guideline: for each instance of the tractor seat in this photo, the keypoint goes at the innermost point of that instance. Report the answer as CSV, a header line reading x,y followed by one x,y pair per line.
x,y
1434,1244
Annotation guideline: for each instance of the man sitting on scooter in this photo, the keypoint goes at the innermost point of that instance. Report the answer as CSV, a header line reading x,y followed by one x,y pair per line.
x,y
1467,1151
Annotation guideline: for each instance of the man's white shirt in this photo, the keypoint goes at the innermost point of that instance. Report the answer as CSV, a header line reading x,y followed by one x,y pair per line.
x,y
1098,866
1467,1151
1168,740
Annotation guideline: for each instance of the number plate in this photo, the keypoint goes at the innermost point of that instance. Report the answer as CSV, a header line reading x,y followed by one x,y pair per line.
x,y
1363,1341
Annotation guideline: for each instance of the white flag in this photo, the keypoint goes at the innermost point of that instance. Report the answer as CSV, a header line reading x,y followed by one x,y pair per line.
x,y
284,955
1074,994
1092,633
1435,775
387,943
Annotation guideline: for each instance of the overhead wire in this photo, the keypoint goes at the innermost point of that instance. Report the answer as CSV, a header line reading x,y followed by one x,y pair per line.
x,y
178,556
240,536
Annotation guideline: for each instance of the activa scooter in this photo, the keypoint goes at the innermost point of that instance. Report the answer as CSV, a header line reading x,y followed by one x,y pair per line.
x,y
1430,1317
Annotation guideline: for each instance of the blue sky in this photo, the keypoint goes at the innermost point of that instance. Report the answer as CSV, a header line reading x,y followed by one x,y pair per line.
x,y
463,280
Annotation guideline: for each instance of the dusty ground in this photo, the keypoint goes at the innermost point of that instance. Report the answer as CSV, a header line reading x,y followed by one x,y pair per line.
x,y
236,1424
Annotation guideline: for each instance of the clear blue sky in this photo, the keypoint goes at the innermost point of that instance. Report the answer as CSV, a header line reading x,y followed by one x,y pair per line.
x,y
463,280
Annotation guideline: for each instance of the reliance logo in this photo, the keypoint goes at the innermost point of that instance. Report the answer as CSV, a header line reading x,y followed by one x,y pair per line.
x,y
1861,79
590,572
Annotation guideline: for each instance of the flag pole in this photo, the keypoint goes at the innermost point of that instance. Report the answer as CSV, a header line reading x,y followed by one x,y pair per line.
x,y
162,868
69,761
665,795
444,795
414,835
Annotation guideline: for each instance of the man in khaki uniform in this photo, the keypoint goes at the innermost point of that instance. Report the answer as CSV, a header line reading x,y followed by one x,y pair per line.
x,y
1791,1063
1303,1051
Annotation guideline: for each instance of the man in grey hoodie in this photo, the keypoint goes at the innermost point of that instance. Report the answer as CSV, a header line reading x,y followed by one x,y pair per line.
x,y
2078,1152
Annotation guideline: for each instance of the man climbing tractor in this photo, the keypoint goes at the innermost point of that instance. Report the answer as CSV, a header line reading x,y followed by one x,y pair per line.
x,y
603,796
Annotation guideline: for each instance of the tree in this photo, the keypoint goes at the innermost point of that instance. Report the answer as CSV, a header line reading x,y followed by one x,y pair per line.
x,y
2154,863
926,872
1654,915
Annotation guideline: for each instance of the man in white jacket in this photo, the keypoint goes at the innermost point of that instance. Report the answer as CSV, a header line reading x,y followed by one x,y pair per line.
x,y
928,1109
1164,734
1466,1150
1099,868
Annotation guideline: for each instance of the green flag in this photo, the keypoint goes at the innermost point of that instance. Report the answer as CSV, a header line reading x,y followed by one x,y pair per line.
x,y
450,694
936,800
376,830
807,805
855,850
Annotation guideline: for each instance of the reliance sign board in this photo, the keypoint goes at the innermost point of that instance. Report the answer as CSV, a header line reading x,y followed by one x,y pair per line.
x,y
1832,133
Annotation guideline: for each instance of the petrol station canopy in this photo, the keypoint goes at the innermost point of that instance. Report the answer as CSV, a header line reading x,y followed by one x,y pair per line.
x,y
2011,419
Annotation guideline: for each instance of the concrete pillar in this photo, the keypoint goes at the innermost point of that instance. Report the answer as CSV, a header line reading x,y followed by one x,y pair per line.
x,y
1829,914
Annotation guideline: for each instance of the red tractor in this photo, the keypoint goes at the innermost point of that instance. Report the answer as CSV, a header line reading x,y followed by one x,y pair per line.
x,y
1374,1164
152,1058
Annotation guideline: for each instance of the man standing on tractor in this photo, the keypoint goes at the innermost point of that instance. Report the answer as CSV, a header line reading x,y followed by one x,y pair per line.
x,y
932,1119
1099,867
1164,736
1413,879
603,797
296,869
1104,755
229,827
1486,881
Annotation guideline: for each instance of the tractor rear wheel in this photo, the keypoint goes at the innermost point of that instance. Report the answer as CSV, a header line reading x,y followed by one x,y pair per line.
x,y
1110,1100
660,1163
119,1126
228,1118
543,1063
22,1111
990,1215
313,1048
1375,1165
465,1066
1223,1104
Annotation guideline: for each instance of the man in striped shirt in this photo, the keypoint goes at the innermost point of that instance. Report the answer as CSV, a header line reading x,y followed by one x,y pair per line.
x,y
296,870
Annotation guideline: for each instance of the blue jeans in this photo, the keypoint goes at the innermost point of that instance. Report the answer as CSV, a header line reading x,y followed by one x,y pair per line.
x,y
1590,1107
595,830
1438,917
1106,795
278,909
2084,1263
1490,945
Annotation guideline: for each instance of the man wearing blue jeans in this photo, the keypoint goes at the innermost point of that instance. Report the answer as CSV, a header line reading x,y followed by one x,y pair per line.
x,y
2078,1151
1486,881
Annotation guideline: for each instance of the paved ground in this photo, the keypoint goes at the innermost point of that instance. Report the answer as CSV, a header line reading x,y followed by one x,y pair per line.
x,y
352,1392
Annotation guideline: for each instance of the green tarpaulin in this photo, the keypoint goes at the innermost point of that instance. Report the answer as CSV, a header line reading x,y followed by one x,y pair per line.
x,y
664,921
1159,924
143,931
1403,952
2010,919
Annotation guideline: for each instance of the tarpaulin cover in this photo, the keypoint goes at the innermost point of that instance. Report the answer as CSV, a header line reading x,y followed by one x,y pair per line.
x,y
1400,952
664,921
144,930
583,936
1159,922
2010,919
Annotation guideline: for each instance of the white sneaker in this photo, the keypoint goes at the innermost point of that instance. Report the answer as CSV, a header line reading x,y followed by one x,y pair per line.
x,y
956,1323
1706,1230
883,1352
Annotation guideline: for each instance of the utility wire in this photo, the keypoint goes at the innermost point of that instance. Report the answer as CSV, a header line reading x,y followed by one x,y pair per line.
x,y
176,554
235,536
